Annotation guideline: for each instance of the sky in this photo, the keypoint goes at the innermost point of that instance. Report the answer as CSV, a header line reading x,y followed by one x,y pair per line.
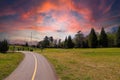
x,y
57,18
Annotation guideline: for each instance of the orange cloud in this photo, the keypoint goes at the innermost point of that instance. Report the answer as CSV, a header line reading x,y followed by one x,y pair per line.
x,y
46,7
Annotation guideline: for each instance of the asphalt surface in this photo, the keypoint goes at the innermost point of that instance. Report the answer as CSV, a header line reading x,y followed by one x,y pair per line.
x,y
33,67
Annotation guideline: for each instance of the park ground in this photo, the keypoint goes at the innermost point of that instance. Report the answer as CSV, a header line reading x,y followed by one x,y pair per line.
x,y
73,64
85,64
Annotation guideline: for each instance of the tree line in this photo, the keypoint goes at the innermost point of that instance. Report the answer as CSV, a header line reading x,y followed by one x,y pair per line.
x,y
93,40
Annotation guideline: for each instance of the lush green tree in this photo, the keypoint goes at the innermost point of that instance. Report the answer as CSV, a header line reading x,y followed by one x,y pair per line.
x,y
46,42
103,39
111,39
70,43
93,42
118,37
78,40
4,46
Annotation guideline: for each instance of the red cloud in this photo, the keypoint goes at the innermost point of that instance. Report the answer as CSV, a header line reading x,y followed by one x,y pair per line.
x,y
7,12
26,15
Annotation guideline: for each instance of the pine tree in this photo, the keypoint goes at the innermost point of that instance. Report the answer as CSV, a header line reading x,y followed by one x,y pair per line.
x,y
93,42
118,37
70,43
103,39
65,42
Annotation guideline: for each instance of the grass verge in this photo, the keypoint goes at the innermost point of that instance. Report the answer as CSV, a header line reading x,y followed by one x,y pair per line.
x,y
8,62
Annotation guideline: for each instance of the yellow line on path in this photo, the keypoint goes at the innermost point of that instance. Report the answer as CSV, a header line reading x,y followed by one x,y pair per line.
x,y
35,69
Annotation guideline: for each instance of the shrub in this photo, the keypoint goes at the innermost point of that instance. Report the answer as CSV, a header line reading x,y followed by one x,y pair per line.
x,y
4,46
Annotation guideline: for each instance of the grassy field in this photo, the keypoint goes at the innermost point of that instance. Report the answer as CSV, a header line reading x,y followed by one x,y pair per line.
x,y
85,64
8,62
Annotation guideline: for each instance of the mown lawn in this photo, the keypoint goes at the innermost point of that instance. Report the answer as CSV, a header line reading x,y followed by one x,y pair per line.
x,y
8,62
85,64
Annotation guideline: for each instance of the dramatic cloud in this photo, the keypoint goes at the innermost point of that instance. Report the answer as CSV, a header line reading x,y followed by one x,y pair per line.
x,y
57,16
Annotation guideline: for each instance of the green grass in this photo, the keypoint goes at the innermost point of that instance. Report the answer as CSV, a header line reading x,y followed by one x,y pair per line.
x,y
8,62
85,64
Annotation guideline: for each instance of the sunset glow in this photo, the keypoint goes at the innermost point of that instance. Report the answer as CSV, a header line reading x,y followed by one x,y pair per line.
x,y
58,18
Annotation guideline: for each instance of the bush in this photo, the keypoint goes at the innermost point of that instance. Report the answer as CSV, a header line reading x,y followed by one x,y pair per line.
x,y
4,46
31,50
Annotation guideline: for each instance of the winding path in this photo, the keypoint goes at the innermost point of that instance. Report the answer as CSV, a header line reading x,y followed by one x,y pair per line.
x,y
33,67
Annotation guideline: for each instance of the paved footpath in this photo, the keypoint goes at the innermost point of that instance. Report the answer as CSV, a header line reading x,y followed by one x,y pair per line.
x,y
33,67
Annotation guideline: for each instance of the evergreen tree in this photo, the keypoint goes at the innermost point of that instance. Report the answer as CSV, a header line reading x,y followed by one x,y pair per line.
x,y
93,42
118,37
4,46
65,42
70,43
103,39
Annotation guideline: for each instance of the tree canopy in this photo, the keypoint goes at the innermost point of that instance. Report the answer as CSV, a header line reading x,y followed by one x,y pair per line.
x,y
93,41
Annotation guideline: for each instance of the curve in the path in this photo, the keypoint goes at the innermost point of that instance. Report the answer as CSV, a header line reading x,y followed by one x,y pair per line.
x,y
33,67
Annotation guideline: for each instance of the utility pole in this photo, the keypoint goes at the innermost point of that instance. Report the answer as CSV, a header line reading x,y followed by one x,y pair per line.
x,y
31,42
31,38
